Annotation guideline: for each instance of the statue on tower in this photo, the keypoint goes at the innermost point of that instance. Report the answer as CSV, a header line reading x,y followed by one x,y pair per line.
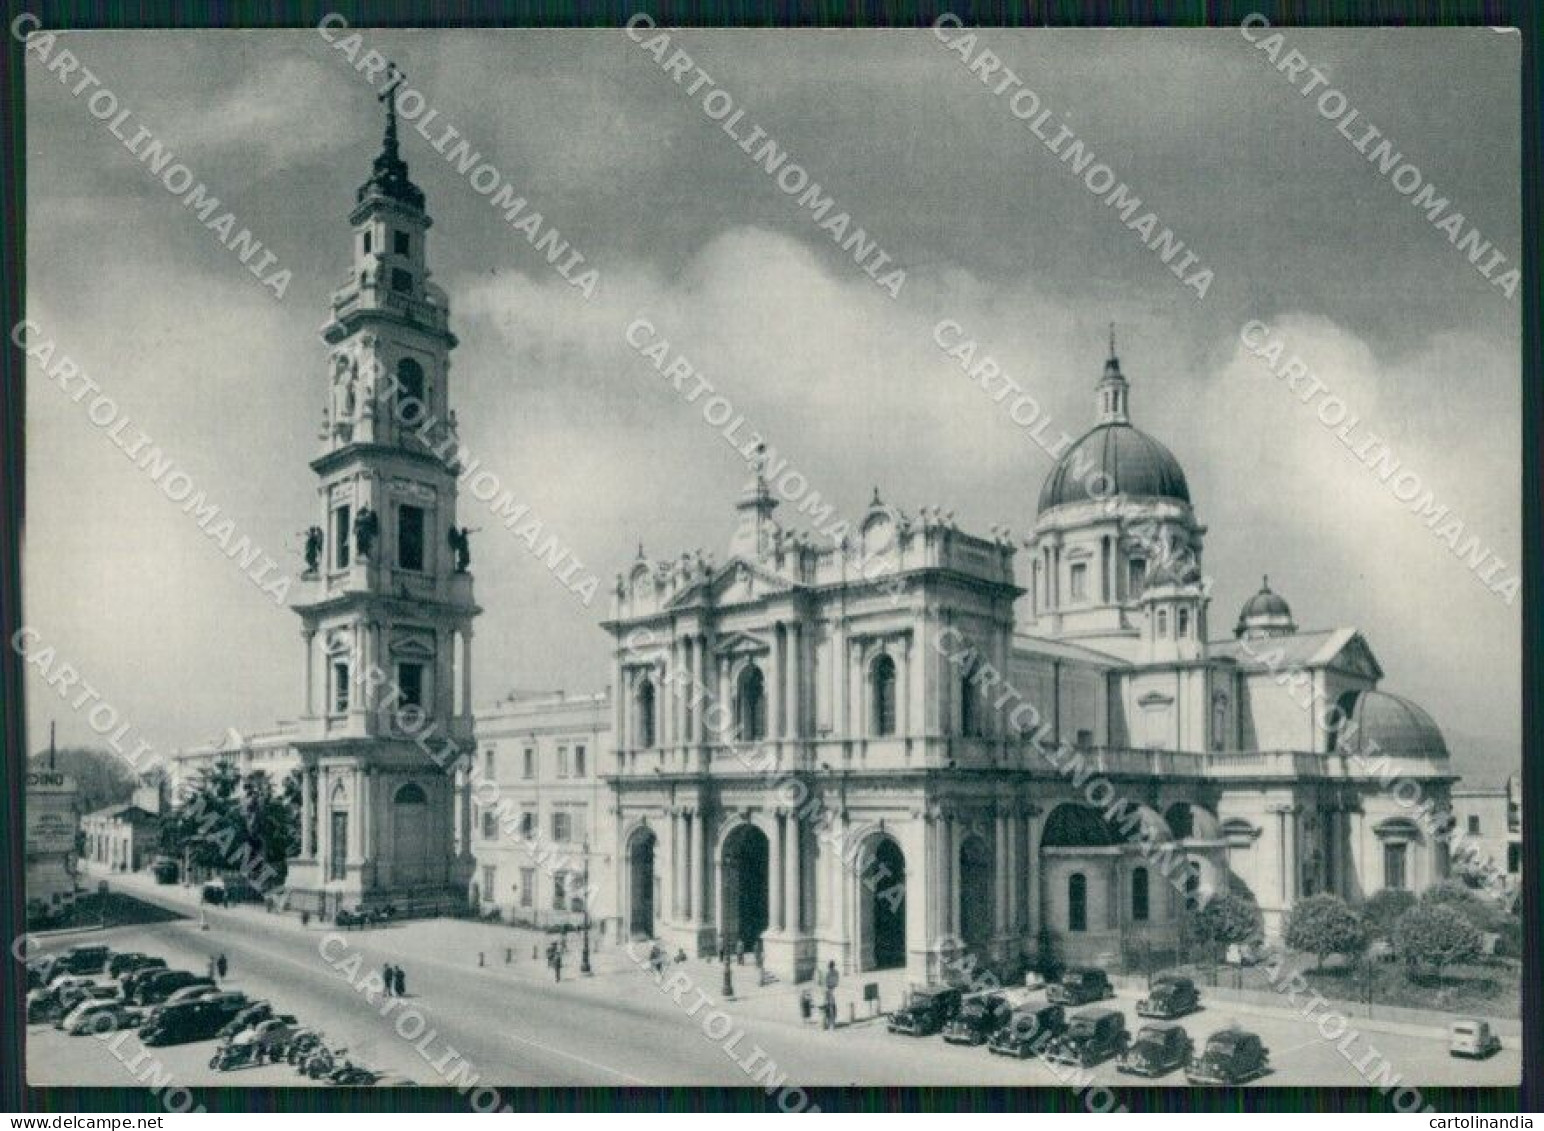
x,y
366,527
313,548
460,539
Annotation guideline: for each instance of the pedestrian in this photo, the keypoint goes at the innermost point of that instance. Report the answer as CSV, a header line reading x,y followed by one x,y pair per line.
x,y
557,967
401,982
389,978
830,981
212,968
305,919
739,952
221,965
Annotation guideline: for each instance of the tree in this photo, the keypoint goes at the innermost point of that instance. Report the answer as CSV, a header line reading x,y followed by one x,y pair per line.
x,y
271,821
1383,910
1323,925
207,822
1435,935
1226,919
1482,915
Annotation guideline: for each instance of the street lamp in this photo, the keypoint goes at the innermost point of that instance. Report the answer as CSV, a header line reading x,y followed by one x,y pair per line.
x,y
584,956
723,950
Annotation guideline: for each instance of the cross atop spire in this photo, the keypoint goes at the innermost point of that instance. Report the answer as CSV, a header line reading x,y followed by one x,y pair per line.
x,y
389,97
389,175
1112,388
1112,341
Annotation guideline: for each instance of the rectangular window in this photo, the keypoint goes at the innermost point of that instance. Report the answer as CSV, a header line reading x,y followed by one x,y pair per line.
x,y
367,241
341,516
528,824
490,822
1080,581
1085,739
487,881
527,886
562,761
1183,616
401,242
528,769
579,761
1136,576
560,891
410,681
561,826
340,687
1394,867
410,537
337,858
1163,623
1474,824
1514,859
401,280
488,764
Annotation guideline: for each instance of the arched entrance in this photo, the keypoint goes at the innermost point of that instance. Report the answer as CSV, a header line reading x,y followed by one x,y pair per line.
x,y
745,858
410,833
640,883
882,906
976,893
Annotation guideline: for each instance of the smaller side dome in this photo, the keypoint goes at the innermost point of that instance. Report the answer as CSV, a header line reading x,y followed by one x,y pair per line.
x,y
1378,722
1265,614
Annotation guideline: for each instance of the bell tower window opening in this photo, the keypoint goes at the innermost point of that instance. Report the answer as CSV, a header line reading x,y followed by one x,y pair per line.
x,y
1079,579
401,281
883,679
340,687
1182,628
341,519
367,241
410,682
410,537
1136,576
401,243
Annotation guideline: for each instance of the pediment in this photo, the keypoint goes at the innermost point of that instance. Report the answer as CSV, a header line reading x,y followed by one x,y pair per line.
x,y
736,582
1355,656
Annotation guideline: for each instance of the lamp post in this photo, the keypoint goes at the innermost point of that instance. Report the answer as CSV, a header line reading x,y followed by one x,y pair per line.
x,y
584,955
723,950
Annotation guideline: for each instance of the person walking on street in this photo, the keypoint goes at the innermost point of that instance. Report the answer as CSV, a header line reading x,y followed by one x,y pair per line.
x,y
401,982
557,966
213,970
739,952
221,965
831,980
389,978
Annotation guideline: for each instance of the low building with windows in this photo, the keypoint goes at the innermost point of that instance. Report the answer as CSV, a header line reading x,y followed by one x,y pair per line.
x,y
124,837
1490,818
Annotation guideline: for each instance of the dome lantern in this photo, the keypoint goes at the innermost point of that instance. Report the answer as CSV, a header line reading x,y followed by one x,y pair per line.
x,y
1265,614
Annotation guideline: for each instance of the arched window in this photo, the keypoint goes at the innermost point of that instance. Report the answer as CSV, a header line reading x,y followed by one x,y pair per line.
x,y
645,715
1139,895
1077,902
882,682
970,706
1163,622
410,391
751,705
411,794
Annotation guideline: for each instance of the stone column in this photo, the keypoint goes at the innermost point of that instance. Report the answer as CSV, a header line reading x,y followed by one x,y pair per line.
x,y
466,806
664,707
1033,904
775,702
1000,924
618,703
952,872
775,874
308,700
366,814
675,864
903,691
699,866
795,725
1015,845
793,874
308,813
356,795
466,668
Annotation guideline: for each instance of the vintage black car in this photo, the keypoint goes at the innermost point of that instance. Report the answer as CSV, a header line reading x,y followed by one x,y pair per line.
x,y
980,1016
1079,987
191,1020
161,984
1171,996
927,1011
85,959
120,964
1231,1056
1029,1030
1158,1050
133,979
1092,1037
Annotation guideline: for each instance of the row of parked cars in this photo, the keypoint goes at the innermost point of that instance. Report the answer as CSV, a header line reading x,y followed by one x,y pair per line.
x,y
1020,1024
92,990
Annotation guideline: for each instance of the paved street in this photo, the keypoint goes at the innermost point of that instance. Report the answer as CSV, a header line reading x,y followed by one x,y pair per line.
x,y
518,1028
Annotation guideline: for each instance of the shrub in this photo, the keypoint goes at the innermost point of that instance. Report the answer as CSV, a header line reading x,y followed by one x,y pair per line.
x,y
1383,910
1324,925
1482,914
1436,936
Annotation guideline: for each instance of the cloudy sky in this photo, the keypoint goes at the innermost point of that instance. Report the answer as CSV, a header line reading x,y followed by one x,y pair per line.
x,y
1300,230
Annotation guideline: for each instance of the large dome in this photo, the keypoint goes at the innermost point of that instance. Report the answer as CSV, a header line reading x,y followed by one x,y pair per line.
x,y
1377,722
1132,464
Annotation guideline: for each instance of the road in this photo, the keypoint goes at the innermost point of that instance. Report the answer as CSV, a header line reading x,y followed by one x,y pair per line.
x,y
514,1026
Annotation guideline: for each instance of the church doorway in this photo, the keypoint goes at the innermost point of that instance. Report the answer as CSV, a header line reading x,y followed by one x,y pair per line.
x,y
976,894
410,834
882,907
640,884
745,859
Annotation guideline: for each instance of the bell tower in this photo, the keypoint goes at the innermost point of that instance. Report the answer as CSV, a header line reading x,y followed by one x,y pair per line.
x,y
386,604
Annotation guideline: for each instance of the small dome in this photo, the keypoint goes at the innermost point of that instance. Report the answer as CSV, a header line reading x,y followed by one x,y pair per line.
x,y
1131,462
1266,613
1378,722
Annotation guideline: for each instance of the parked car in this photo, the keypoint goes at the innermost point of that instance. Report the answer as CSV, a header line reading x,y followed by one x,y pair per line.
x,y
926,1011
85,959
980,1016
43,1002
1029,1030
120,964
1249,953
1158,1050
165,870
191,993
92,989
1170,996
186,1021
1472,1037
95,1015
134,979
1231,1056
161,984
1079,987
1091,1037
